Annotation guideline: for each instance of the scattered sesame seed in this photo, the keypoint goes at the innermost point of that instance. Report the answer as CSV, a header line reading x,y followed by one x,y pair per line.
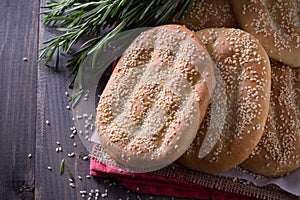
x,y
88,176
68,107
25,59
72,135
58,143
71,154
85,158
29,155
50,168
75,145
47,122
67,94
72,185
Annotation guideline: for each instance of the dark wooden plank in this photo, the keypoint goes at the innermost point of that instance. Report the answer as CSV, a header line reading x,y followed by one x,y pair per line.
x,y
18,36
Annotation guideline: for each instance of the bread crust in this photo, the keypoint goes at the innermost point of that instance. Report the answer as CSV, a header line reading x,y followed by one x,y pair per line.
x,y
245,72
279,149
209,14
156,98
275,23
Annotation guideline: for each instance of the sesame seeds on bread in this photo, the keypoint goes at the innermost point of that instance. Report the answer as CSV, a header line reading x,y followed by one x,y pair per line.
x,y
156,98
278,152
245,74
275,23
209,14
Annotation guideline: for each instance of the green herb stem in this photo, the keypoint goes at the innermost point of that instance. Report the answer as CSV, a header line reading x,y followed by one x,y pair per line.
x,y
78,18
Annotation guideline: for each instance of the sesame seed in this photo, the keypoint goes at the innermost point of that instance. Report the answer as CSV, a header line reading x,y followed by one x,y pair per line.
x,y
47,122
29,155
71,154
49,168
25,59
85,158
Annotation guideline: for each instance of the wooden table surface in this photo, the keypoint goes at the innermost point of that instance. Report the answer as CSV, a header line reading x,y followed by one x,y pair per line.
x,y
30,94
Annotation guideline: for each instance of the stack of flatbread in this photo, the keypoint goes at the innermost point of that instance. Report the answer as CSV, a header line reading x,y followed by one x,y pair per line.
x,y
219,90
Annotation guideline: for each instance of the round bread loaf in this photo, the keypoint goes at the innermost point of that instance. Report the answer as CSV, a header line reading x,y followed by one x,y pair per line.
x,y
245,76
279,149
275,23
209,14
156,98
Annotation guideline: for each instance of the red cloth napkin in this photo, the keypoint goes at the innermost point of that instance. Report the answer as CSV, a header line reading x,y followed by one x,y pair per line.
x,y
158,185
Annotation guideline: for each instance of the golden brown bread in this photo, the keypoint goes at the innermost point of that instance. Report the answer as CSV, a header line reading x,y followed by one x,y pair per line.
x,y
209,14
275,23
279,149
245,72
156,98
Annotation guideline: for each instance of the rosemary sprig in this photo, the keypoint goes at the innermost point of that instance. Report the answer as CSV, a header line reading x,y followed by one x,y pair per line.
x,y
91,19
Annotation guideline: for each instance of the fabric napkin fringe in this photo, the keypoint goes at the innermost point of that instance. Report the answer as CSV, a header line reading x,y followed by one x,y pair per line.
x,y
181,182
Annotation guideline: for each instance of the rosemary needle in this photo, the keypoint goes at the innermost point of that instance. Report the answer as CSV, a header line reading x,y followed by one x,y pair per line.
x,y
62,166
69,172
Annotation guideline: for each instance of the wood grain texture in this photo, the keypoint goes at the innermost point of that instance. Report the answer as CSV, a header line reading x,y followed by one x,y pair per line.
x,y
18,34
